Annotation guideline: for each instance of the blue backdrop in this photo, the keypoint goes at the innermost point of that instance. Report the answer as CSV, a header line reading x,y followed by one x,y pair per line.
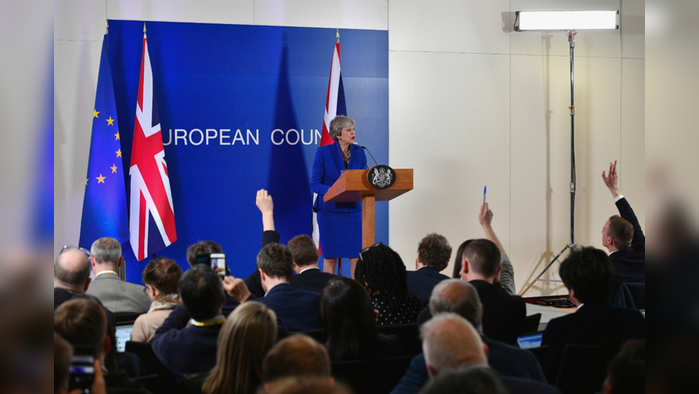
x,y
241,108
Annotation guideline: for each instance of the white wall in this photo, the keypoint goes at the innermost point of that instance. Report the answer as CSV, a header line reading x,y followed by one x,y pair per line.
x,y
469,104
672,88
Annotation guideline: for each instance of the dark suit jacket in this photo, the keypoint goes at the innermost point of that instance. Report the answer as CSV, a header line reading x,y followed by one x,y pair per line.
x,y
628,264
592,324
185,350
312,279
503,314
422,281
527,386
298,309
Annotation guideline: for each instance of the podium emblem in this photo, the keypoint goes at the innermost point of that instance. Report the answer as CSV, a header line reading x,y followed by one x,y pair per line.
x,y
381,176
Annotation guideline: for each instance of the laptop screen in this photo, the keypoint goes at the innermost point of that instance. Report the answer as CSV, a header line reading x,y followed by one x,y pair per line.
x,y
529,341
123,334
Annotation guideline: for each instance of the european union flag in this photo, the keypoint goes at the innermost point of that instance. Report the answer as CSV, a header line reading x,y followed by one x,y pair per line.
x,y
104,207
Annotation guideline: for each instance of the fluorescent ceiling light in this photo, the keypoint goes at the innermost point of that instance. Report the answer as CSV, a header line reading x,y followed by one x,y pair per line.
x,y
566,20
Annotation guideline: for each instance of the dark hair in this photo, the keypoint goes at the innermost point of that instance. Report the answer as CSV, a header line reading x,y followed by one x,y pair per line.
x,y
163,274
297,355
468,380
586,271
458,257
434,250
275,261
72,278
483,257
348,317
83,323
627,370
62,355
304,385
201,292
620,230
380,268
303,250
202,249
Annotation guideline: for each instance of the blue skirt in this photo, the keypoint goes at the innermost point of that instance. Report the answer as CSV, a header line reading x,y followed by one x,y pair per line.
x,y
340,233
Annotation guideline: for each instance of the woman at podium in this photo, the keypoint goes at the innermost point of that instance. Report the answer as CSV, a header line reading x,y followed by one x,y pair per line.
x,y
340,224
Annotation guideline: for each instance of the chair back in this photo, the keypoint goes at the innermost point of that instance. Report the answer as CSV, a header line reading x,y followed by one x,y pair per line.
x,y
378,376
583,368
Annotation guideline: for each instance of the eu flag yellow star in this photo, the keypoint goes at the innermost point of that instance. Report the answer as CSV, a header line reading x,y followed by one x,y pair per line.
x,y
100,179
116,136
95,113
114,168
110,121
118,153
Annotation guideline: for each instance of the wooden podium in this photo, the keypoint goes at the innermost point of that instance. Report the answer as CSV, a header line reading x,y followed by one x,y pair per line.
x,y
353,185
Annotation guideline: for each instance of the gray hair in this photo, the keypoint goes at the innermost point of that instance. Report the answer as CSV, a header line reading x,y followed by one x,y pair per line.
x,y
450,342
106,250
457,296
339,123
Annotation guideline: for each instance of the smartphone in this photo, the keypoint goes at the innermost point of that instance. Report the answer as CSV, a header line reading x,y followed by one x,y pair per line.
x,y
82,373
218,263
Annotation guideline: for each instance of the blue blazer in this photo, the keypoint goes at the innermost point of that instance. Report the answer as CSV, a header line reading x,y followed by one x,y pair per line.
x,y
327,167
422,281
298,309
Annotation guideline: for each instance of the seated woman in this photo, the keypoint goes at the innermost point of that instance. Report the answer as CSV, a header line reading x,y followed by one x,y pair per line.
x,y
349,321
244,340
161,276
382,272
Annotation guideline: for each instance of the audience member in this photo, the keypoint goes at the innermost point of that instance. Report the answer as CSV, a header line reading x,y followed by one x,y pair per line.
x,y
627,371
467,380
115,294
585,272
506,277
298,309
382,272
161,277
265,204
433,254
503,314
246,336
83,323
350,323
450,342
297,355
457,296
305,255
71,275
200,252
622,235
62,356
187,349
304,385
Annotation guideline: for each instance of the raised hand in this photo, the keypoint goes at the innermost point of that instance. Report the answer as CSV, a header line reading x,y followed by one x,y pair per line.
x,y
485,218
264,201
611,179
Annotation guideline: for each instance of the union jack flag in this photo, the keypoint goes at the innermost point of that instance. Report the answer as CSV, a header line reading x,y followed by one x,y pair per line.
x,y
150,195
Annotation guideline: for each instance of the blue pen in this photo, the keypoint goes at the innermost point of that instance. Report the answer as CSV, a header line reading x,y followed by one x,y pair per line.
x,y
485,190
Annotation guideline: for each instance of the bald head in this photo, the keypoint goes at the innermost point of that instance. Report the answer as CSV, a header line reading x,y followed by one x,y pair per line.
x,y
72,269
457,296
450,342
297,355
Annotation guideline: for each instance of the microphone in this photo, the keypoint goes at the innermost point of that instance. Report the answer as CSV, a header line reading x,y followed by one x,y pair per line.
x,y
369,152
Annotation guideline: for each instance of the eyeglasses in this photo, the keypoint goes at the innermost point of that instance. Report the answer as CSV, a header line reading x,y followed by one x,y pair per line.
x,y
71,247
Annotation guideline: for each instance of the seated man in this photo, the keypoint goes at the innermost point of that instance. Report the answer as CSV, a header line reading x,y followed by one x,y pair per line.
x,y
433,254
298,309
116,295
457,296
503,314
585,272
71,275
297,355
186,349
305,255
623,237
449,342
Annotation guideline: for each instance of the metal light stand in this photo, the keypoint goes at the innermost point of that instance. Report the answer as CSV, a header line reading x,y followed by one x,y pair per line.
x,y
571,44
